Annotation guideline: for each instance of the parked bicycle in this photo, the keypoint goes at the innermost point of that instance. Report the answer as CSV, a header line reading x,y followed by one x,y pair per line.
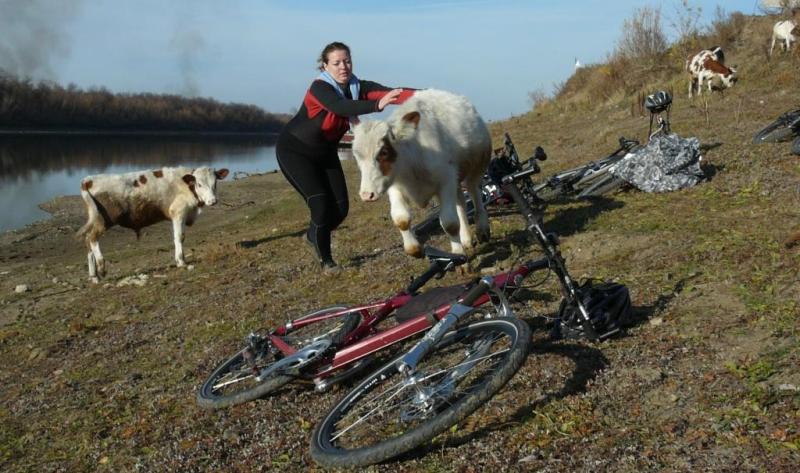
x,y
449,373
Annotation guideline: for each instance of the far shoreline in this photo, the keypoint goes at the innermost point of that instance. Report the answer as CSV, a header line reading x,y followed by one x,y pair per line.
x,y
91,132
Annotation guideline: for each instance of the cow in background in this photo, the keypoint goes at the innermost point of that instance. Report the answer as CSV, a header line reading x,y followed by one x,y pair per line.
x,y
138,199
427,147
707,65
783,31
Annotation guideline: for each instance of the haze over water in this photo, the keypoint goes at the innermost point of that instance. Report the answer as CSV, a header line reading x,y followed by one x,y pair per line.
x,y
35,169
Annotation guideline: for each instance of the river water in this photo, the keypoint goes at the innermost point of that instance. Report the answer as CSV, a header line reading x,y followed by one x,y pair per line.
x,y
36,168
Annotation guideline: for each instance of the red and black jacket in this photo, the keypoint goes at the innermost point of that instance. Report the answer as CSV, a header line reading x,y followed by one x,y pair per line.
x,y
324,116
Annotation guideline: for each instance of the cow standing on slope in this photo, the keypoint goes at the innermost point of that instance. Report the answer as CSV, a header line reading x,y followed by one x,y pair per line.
x,y
138,199
783,31
707,65
426,148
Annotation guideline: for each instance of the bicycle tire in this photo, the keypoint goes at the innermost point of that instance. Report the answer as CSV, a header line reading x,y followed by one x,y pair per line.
x,y
780,130
329,449
430,223
238,373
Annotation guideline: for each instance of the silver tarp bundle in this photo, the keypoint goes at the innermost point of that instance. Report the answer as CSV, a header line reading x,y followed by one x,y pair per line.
x,y
667,163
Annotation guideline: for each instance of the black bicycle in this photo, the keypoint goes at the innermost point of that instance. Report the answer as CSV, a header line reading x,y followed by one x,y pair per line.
x,y
454,369
784,128
504,161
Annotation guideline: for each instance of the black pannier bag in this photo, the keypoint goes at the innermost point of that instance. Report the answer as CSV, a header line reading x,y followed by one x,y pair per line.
x,y
609,306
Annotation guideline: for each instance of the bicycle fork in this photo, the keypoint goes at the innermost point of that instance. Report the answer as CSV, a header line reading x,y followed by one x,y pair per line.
x,y
408,363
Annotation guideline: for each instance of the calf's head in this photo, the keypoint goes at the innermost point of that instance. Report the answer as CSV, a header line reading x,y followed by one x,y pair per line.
x,y
203,183
730,78
375,148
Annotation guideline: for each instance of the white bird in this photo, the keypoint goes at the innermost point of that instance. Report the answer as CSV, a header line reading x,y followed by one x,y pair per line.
x,y
578,64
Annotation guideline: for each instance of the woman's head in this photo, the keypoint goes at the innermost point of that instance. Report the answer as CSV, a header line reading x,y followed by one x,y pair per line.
x,y
335,59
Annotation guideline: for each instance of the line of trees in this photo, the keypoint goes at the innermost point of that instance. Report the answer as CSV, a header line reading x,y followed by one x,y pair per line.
x,y
27,105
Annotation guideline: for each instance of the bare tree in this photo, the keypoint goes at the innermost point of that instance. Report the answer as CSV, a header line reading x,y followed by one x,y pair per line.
x,y
642,35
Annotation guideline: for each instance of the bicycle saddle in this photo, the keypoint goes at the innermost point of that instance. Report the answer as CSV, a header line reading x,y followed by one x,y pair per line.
x,y
658,102
435,254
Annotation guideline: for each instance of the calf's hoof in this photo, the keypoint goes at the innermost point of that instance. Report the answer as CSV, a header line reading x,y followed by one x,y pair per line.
x,y
94,280
484,236
414,251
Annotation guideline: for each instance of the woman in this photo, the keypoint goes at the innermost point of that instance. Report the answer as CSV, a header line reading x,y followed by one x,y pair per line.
x,y
307,146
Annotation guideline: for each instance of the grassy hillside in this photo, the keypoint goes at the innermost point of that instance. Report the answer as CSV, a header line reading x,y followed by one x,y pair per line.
x,y
103,378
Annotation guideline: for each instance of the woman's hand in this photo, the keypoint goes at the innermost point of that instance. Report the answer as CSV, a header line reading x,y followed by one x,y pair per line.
x,y
390,97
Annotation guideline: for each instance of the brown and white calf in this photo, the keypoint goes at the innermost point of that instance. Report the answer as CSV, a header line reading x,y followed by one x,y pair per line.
x,y
427,147
138,199
707,65
784,31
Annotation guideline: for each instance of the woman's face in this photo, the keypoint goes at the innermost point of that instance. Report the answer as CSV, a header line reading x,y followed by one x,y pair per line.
x,y
339,66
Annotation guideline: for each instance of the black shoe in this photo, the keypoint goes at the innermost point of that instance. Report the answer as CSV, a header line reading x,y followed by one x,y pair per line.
x,y
330,267
314,249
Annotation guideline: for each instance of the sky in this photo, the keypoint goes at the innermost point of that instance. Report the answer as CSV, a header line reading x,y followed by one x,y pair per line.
x,y
264,52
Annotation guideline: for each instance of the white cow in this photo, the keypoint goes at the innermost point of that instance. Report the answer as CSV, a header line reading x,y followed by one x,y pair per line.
x,y
138,199
426,148
705,66
782,31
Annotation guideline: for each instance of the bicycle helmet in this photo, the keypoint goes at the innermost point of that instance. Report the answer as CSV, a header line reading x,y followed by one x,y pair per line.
x,y
609,307
658,102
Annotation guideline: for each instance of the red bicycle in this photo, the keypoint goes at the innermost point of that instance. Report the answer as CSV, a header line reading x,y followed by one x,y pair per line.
x,y
334,343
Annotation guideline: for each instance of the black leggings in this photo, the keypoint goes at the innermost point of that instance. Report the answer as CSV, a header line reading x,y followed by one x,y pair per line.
x,y
317,175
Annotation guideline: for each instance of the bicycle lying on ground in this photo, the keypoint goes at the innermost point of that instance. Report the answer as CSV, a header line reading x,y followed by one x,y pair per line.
x,y
449,373
784,128
331,344
594,179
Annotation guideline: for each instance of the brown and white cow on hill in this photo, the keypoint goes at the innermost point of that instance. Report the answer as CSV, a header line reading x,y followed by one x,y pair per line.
x,y
138,199
428,146
784,31
707,65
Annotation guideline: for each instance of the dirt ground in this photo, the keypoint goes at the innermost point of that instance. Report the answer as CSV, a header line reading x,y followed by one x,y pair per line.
x,y
103,377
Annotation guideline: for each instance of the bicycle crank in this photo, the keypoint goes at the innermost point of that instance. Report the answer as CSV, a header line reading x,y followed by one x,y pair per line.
x,y
292,363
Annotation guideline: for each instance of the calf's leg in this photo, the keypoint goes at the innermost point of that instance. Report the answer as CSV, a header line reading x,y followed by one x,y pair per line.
x,y
401,217
464,235
450,215
178,226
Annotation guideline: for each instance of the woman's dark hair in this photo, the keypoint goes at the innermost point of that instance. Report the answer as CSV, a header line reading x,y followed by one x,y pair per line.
x,y
334,46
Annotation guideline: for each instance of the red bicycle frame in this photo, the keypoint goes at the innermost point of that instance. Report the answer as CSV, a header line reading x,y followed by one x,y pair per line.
x,y
367,338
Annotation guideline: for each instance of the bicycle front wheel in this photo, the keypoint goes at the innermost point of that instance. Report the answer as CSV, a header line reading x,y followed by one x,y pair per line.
x,y
781,129
390,413
236,380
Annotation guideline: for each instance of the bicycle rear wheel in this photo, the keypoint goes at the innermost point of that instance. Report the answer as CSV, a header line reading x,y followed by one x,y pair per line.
x,y
390,413
236,380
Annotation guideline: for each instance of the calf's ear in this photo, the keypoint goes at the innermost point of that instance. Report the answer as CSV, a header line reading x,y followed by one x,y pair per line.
x,y
221,173
407,125
189,179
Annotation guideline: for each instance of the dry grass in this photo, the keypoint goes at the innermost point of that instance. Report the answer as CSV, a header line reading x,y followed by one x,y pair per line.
x,y
103,378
